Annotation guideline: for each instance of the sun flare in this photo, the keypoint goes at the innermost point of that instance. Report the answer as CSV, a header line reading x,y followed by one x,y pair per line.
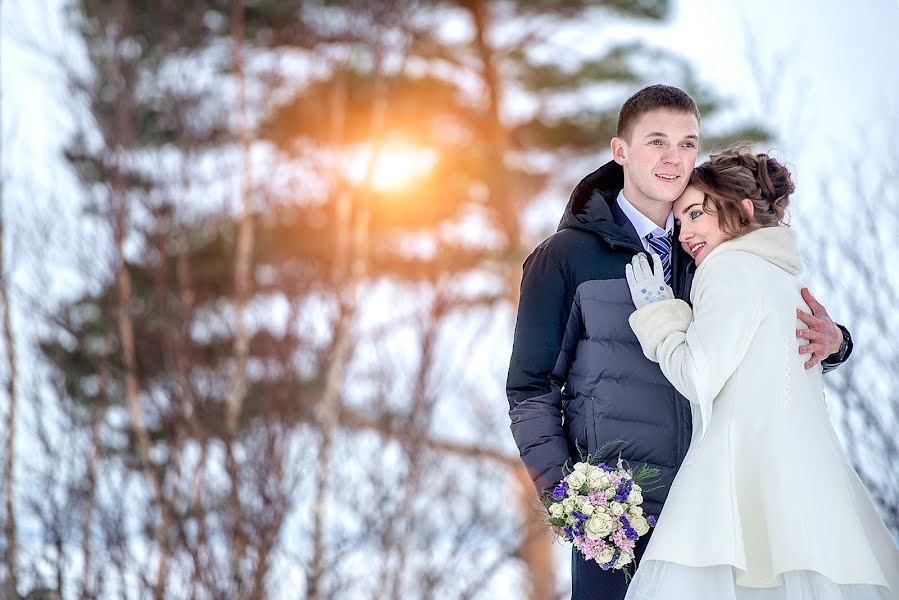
x,y
399,164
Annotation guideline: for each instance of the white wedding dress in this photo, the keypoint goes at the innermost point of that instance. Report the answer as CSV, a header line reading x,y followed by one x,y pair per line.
x,y
766,506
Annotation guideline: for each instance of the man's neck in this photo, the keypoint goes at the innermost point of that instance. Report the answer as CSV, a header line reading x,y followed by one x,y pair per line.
x,y
655,211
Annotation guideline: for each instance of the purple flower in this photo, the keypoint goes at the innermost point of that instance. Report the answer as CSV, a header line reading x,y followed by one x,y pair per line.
x,y
652,520
574,531
623,490
629,532
579,516
560,491
612,562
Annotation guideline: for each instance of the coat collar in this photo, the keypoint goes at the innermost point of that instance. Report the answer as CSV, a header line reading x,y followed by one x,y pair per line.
x,y
777,245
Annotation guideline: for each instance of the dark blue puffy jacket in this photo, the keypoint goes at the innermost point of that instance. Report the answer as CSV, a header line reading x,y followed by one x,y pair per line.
x,y
577,374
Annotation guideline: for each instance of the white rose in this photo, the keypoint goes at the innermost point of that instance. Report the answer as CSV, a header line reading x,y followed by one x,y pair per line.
x,y
610,493
581,468
623,560
635,511
568,504
587,509
635,497
556,510
605,555
579,502
601,509
594,480
598,526
637,487
576,480
640,525
616,508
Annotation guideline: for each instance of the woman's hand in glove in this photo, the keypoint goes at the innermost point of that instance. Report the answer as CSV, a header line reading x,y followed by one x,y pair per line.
x,y
647,286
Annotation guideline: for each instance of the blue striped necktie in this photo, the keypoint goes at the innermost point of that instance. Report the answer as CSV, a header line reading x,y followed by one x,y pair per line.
x,y
661,245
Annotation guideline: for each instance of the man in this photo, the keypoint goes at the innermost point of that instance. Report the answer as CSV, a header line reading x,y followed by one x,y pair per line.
x,y
577,377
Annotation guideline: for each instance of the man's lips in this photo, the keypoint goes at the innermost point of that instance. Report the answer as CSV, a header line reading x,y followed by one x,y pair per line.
x,y
667,177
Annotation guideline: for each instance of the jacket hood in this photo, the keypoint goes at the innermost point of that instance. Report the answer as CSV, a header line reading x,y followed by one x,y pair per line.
x,y
777,245
588,206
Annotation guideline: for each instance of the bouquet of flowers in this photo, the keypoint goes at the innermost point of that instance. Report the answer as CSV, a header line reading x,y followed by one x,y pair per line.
x,y
597,509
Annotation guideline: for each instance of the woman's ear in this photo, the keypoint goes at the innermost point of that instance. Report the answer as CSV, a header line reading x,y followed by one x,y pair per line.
x,y
748,209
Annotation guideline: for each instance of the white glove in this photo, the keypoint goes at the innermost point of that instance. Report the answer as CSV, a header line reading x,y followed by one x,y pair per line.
x,y
647,287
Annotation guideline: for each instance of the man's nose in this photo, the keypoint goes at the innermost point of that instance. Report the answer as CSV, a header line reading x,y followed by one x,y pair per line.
x,y
672,156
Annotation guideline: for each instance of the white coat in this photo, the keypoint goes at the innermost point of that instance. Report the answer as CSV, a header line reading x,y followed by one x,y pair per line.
x,y
766,489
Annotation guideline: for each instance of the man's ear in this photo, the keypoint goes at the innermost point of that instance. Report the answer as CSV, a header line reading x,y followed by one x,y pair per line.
x,y
618,151
748,208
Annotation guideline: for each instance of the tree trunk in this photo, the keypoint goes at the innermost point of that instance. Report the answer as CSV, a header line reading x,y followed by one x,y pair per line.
x,y
536,548
242,283
124,138
11,550
341,353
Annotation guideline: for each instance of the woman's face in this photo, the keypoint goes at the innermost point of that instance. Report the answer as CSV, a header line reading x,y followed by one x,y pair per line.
x,y
700,232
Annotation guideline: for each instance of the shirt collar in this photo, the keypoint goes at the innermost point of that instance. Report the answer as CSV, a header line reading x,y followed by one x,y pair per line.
x,y
642,224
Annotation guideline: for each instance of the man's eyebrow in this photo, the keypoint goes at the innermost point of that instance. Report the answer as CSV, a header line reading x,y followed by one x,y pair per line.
x,y
692,136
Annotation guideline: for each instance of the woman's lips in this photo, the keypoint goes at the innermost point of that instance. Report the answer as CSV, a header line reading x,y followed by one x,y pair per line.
x,y
695,249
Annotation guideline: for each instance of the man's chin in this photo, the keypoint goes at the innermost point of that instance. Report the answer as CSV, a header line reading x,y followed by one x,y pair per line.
x,y
666,198
669,195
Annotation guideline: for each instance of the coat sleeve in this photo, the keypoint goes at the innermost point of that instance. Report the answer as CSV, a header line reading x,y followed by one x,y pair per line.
x,y
699,349
837,358
538,368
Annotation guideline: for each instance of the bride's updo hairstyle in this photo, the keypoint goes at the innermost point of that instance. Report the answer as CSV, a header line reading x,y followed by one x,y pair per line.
x,y
736,173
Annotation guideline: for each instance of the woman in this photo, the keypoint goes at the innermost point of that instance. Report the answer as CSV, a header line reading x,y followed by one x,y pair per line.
x,y
766,506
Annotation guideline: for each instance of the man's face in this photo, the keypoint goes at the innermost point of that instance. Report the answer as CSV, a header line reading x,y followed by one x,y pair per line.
x,y
659,157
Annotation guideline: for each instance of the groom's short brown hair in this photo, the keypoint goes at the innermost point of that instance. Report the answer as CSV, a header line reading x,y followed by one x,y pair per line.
x,y
652,98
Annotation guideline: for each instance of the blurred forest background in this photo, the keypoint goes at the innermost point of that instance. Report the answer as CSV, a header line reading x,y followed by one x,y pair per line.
x,y
257,302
